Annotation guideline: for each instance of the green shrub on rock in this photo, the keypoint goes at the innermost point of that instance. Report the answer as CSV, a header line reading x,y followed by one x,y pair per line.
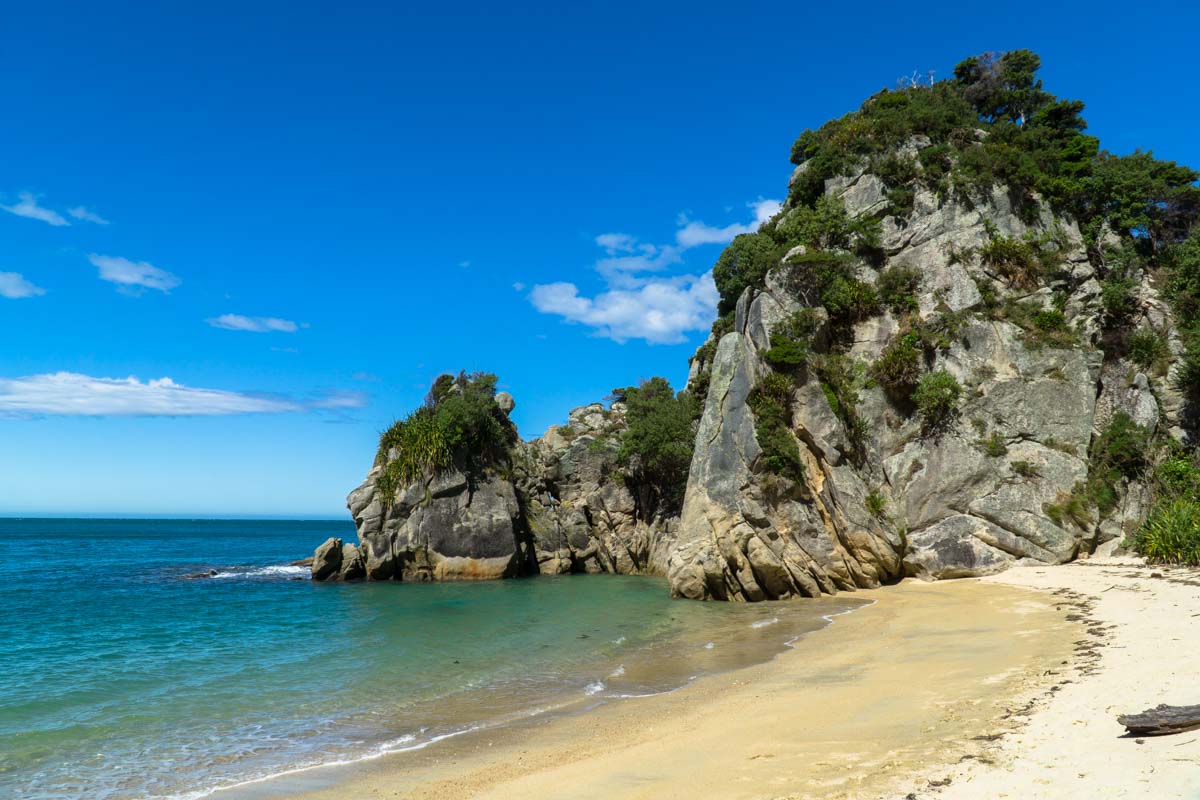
x,y
1148,349
770,401
1122,448
459,425
841,378
849,300
937,395
745,262
876,505
825,225
899,366
1116,298
792,339
1024,262
898,287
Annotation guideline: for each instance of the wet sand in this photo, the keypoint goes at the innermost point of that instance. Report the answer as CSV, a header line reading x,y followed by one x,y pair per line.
x,y
886,701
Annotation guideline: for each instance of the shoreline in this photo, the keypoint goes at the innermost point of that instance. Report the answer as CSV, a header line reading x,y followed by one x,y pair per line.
x,y
850,708
1001,687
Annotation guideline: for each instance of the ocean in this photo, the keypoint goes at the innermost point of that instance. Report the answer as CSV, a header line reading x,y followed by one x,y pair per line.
x,y
121,678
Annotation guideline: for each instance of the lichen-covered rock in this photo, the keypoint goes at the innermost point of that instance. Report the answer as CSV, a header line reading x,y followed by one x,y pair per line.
x,y
582,513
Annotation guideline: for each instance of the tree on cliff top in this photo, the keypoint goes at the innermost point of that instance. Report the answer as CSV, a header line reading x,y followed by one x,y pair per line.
x,y
993,125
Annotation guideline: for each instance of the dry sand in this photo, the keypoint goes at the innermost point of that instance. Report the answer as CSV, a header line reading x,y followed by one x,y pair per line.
x,y
956,690
1071,746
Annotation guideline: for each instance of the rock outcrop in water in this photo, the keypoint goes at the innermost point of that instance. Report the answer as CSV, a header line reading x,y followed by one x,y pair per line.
x,y
562,505
922,369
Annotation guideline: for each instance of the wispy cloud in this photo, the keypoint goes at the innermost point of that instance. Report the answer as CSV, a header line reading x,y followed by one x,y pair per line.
x,y
75,395
133,276
340,400
28,207
82,213
366,376
237,322
14,286
640,300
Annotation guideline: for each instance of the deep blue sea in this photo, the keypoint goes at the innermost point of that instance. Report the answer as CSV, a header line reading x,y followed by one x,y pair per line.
x,y
121,678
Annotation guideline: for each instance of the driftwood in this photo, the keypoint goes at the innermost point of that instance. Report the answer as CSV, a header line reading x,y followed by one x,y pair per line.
x,y
1162,720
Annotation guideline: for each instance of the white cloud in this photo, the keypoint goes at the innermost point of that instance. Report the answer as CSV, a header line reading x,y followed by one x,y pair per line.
x,y
640,301
237,322
131,276
75,395
29,208
518,286
659,311
694,233
13,285
80,212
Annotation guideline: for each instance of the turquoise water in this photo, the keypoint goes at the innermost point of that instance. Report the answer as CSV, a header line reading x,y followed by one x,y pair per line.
x,y
121,679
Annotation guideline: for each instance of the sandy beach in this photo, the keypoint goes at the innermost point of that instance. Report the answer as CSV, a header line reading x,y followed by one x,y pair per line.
x,y
1001,687
1148,621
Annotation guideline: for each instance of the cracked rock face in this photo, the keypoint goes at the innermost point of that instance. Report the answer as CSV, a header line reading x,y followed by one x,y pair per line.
x,y
970,499
563,506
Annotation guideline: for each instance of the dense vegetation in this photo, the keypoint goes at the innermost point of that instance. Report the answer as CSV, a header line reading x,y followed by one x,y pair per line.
x,y
992,125
1171,533
459,426
656,445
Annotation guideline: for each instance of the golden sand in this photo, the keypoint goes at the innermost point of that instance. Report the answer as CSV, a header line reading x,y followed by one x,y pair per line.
x,y
885,701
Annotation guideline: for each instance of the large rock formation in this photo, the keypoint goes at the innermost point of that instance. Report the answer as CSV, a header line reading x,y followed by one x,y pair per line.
x,y
563,505
968,499
888,500
824,457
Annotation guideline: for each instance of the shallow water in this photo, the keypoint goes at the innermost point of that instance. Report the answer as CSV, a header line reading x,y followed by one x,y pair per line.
x,y
121,679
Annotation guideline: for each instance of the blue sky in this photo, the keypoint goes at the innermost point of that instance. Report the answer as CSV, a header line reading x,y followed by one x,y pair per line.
x,y
238,239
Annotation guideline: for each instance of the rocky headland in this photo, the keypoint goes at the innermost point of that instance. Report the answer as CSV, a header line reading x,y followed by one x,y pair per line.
x,y
931,363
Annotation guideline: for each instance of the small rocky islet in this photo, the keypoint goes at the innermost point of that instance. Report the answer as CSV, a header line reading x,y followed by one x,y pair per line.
x,y
968,340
